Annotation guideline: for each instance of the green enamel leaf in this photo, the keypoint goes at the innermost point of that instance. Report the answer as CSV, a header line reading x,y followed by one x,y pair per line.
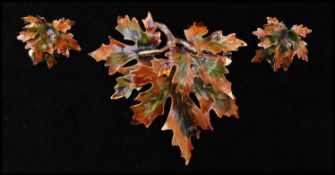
x,y
276,36
183,75
210,99
212,67
131,30
117,54
185,116
151,104
123,87
293,36
119,59
146,42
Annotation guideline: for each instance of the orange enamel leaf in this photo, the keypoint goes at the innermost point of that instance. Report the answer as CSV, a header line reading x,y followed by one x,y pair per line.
x,y
301,30
260,33
152,101
216,42
197,66
280,44
209,99
46,40
302,51
26,35
116,54
273,25
32,19
282,59
231,43
195,32
259,56
62,24
183,119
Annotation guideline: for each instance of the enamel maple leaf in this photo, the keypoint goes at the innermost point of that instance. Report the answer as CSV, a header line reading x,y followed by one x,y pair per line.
x,y
280,44
196,66
46,40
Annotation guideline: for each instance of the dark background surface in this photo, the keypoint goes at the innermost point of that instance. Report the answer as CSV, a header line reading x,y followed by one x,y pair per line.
x,y
62,120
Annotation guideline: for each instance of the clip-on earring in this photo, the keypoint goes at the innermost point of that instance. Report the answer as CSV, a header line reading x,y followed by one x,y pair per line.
x,y
46,41
280,44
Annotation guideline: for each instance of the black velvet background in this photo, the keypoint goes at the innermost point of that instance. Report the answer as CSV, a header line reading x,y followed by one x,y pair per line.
x,y
62,120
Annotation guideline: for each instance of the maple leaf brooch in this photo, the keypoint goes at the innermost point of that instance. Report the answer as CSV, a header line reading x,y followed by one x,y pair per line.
x,y
196,66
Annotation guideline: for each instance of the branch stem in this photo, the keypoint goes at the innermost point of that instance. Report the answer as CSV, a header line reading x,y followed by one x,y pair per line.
x,y
171,42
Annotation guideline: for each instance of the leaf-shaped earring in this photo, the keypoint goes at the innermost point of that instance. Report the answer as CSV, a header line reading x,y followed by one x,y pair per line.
x,y
46,40
280,44
197,65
